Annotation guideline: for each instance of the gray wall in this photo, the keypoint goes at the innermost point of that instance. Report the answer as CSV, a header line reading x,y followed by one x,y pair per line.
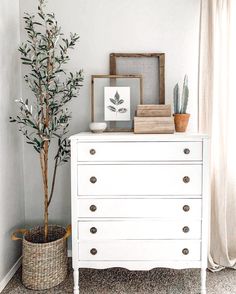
x,y
106,26
11,144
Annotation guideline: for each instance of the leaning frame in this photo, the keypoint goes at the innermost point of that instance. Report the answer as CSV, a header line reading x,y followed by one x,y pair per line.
x,y
161,69
113,79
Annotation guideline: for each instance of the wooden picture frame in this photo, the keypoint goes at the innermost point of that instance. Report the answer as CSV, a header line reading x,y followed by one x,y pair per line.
x,y
113,79
114,58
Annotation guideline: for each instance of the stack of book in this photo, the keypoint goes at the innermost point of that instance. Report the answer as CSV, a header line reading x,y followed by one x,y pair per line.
x,y
153,119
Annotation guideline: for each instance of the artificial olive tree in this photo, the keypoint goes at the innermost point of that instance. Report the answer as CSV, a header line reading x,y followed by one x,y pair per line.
x,y
44,117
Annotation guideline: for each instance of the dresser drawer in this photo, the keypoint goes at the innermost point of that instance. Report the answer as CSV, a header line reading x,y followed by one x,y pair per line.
x,y
138,229
137,208
139,179
178,250
139,151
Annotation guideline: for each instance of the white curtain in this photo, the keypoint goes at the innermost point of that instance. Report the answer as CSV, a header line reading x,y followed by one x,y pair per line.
x,y
217,117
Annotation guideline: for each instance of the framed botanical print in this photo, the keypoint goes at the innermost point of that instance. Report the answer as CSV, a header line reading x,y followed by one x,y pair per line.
x,y
117,103
114,99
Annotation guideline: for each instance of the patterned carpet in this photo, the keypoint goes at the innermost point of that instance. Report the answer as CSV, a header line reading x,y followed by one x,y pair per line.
x,y
122,281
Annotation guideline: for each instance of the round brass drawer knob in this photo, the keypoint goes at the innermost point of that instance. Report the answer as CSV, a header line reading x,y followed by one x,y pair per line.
x,y
186,208
93,230
186,179
186,151
93,208
185,251
93,180
93,251
92,151
185,229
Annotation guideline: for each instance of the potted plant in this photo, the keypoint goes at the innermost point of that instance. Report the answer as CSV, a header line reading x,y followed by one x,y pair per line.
x,y
43,119
181,118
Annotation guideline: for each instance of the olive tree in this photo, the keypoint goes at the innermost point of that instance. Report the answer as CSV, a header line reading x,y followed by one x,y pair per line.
x,y
44,117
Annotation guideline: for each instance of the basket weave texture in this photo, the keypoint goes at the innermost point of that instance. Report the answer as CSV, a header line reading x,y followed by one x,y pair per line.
x,y
44,265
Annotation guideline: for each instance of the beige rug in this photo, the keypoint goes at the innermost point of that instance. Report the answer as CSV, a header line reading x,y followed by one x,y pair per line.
x,y
122,281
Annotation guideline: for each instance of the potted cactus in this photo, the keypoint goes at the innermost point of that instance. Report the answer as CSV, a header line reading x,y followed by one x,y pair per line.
x,y
181,118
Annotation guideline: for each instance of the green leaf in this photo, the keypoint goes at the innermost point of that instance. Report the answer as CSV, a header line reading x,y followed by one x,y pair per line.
x,y
40,14
58,136
30,122
37,23
51,15
12,119
25,59
45,58
37,149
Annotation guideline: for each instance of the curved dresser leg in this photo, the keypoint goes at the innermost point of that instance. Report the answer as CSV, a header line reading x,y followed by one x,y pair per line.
x,y
203,281
76,280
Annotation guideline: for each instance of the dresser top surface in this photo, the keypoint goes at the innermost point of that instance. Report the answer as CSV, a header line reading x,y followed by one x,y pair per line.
x,y
131,137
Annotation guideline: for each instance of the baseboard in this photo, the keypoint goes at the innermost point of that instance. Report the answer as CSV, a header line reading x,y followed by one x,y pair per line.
x,y
10,274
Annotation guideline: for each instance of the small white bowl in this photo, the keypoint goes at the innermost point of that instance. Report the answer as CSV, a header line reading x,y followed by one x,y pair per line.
x,y
97,127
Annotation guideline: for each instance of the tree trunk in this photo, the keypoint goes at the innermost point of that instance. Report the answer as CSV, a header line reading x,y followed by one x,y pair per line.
x,y
53,180
44,169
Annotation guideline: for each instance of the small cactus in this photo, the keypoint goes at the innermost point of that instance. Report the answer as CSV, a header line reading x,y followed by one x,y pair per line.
x,y
180,108
176,99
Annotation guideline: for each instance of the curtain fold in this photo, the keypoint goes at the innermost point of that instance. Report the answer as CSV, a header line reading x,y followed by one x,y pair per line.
x,y
217,117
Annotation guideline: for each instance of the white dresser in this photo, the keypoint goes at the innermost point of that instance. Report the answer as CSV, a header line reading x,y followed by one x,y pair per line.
x,y
139,202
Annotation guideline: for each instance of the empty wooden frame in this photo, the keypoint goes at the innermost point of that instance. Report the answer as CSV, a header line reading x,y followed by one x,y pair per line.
x,y
150,65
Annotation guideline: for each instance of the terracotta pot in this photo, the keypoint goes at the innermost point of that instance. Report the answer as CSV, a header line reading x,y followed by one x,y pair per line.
x,y
181,121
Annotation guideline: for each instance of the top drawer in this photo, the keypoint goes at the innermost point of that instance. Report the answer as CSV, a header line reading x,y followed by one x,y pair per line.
x,y
139,151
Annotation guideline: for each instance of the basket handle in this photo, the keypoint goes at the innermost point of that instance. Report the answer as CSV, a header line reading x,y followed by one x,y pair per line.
x,y
68,232
18,231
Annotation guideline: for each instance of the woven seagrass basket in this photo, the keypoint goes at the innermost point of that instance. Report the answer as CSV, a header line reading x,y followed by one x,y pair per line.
x,y
44,265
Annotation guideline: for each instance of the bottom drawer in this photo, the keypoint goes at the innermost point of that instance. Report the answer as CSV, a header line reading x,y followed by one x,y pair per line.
x,y
176,250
